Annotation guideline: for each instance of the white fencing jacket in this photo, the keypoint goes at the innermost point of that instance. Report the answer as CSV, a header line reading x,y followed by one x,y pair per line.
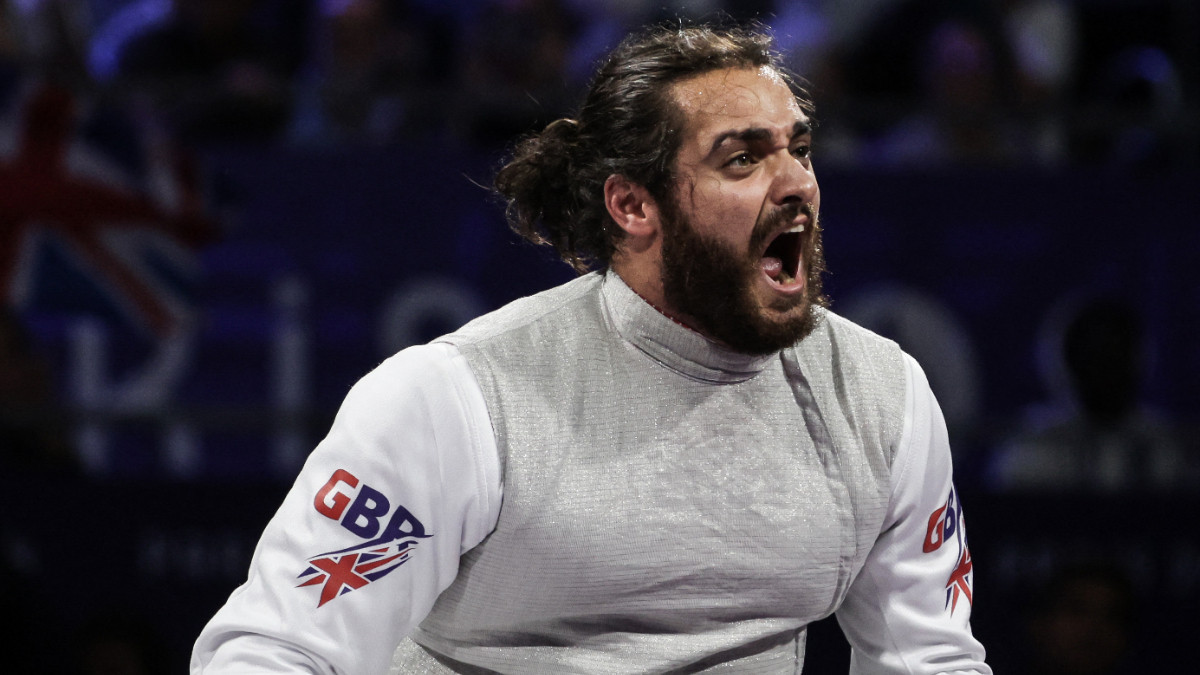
x,y
630,498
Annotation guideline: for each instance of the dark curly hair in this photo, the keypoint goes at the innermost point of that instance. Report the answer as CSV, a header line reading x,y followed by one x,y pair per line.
x,y
629,125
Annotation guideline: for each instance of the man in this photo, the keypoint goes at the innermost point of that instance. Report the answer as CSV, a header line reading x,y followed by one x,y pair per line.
x,y
697,459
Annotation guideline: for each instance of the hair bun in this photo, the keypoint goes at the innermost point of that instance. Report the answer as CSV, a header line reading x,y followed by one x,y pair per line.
x,y
538,184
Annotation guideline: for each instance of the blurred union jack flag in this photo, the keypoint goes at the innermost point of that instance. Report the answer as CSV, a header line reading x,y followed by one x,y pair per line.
x,y
98,214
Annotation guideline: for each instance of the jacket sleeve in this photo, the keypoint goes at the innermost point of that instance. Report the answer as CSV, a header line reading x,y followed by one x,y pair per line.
x,y
908,611
371,532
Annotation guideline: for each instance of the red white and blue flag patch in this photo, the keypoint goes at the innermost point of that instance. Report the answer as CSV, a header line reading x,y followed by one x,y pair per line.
x,y
946,524
343,571
360,509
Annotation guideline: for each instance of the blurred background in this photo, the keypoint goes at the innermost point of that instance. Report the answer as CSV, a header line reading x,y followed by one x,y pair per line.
x,y
216,215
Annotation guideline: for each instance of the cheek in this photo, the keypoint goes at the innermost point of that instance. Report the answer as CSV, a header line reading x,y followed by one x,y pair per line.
x,y
724,211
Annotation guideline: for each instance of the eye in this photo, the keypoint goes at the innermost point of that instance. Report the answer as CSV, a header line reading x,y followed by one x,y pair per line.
x,y
742,159
802,151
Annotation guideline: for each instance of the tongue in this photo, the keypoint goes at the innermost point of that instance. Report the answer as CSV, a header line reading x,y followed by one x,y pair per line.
x,y
771,266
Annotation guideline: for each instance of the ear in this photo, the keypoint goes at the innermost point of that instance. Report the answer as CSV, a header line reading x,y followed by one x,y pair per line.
x,y
631,207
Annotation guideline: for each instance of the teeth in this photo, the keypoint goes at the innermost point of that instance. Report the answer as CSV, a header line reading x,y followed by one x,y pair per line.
x,y
796,230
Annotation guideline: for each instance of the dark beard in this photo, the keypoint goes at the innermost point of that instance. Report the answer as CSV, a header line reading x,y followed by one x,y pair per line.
x,y
710,283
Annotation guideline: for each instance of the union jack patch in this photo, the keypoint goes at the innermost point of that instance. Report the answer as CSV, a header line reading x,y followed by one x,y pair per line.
x,y
351,569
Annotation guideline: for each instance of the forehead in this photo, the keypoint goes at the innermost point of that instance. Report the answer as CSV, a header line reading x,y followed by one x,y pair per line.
x,y
734,98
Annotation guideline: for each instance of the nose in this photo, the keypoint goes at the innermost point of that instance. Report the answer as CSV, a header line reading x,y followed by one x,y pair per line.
x,y
795,181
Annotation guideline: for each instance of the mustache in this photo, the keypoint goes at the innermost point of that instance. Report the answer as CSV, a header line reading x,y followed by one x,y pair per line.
x,y
772,222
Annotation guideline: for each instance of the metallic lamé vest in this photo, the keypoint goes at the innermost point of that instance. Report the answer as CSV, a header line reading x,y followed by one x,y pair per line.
x,y
669,505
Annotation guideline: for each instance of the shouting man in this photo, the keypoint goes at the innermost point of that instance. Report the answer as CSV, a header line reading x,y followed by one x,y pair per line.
x,y
674,463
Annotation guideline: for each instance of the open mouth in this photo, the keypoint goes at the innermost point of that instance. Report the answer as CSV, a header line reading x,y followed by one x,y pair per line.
x,y
781,261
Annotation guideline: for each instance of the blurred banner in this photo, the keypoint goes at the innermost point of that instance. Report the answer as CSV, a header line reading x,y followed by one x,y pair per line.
x,y
331,261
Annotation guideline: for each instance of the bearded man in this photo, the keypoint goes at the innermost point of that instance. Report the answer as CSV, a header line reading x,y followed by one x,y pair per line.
x,y
673,463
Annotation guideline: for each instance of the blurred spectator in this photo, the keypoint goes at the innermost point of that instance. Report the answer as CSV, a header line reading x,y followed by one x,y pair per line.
x,y
514,69
376,65
964,113
1044,36
602,24
1082,623
1096,435
215,70
524,62
812,36
1143,85
1137,84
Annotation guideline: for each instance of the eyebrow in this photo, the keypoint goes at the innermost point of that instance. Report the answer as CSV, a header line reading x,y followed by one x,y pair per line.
x,y
757,134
